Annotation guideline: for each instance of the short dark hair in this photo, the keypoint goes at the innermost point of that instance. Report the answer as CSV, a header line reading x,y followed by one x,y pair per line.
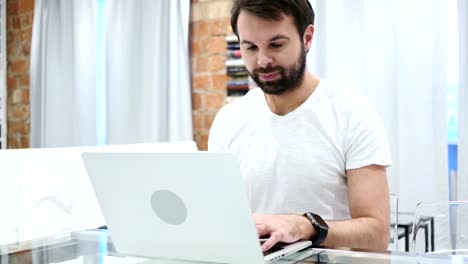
x,y
300,10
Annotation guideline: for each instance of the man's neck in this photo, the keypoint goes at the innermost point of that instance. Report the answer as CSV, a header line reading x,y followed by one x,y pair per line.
x,y
291,100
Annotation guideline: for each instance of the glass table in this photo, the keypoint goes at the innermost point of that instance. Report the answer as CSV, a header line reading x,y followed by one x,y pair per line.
x,y
95,246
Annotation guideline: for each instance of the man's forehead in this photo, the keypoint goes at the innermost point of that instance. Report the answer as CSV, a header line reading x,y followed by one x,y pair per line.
x,y
246,15
250,26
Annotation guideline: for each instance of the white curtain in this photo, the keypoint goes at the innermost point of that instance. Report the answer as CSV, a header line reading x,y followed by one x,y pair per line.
x,y
148,88
394,52
63,82
463,112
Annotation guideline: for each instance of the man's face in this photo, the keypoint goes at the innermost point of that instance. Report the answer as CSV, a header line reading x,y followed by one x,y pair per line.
x,y
272,51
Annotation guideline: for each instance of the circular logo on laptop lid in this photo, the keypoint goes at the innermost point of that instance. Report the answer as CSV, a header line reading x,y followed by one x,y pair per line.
x,y
169,207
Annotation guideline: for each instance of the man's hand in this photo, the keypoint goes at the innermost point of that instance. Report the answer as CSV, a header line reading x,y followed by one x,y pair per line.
x,y
283,228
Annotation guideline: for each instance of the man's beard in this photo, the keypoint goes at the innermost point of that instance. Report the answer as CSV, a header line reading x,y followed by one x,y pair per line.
x,y
290,77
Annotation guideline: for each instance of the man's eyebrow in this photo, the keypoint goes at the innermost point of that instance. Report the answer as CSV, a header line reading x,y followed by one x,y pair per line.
x,y
277,37
247,42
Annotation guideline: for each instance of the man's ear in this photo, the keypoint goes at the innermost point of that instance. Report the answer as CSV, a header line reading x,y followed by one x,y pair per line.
x,y
308,36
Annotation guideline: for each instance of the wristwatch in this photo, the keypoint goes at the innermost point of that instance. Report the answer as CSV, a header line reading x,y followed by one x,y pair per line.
x,y
320,226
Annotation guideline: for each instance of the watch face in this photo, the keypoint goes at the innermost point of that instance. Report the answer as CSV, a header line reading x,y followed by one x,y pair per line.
x,y
319,221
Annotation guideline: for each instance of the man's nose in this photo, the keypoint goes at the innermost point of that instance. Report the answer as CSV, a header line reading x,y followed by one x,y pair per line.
x,y
264,60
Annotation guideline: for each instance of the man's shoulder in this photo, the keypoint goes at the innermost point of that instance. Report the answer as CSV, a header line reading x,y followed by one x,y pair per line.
x,y
343,97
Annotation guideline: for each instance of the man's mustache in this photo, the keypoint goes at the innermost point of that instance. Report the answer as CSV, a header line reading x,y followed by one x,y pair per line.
x,y
268,70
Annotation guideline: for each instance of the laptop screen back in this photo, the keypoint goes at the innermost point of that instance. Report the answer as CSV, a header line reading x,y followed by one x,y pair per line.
x,y
189,206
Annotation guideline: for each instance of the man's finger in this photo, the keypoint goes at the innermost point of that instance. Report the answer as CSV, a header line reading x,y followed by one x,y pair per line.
x,y
262,230
274,238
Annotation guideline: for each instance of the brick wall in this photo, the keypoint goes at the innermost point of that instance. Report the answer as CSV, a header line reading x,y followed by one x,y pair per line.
x,y
209,24
19,31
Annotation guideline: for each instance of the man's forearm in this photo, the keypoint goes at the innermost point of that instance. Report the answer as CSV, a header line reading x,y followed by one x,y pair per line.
x,y
364,232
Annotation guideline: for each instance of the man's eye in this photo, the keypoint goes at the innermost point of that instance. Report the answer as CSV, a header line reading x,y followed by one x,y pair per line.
x,y
276,46
252,48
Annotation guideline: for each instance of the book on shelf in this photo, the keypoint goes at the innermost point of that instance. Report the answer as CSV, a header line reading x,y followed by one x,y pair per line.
x,y
232,39
237,88
238,85
233,46
232,95
234,54
243,81
235,63
237,74
231,69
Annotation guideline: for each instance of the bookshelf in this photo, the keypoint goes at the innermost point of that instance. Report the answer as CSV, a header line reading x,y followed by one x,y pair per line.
x,y
236,70
3,92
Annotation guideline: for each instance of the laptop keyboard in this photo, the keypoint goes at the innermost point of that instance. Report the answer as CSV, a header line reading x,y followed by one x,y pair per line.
x,y
276,247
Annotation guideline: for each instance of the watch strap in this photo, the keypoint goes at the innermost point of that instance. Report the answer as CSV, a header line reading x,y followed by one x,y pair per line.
x,y
320,228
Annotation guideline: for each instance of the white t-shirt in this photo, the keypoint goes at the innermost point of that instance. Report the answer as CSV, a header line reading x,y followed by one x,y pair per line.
x,y
296,163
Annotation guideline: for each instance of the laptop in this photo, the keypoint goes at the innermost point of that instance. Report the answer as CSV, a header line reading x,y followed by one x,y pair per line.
x,y
181,206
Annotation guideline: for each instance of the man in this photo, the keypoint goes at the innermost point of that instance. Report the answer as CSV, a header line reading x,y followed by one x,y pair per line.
x,y
303,143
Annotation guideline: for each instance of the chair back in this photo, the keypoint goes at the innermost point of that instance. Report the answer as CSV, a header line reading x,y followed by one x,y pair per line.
x,y
393,243
441,228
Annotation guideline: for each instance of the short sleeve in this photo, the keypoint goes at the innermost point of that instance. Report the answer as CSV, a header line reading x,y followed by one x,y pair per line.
x,y
366,141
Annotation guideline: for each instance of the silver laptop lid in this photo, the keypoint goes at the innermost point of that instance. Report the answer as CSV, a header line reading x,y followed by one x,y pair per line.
x,y
189,206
